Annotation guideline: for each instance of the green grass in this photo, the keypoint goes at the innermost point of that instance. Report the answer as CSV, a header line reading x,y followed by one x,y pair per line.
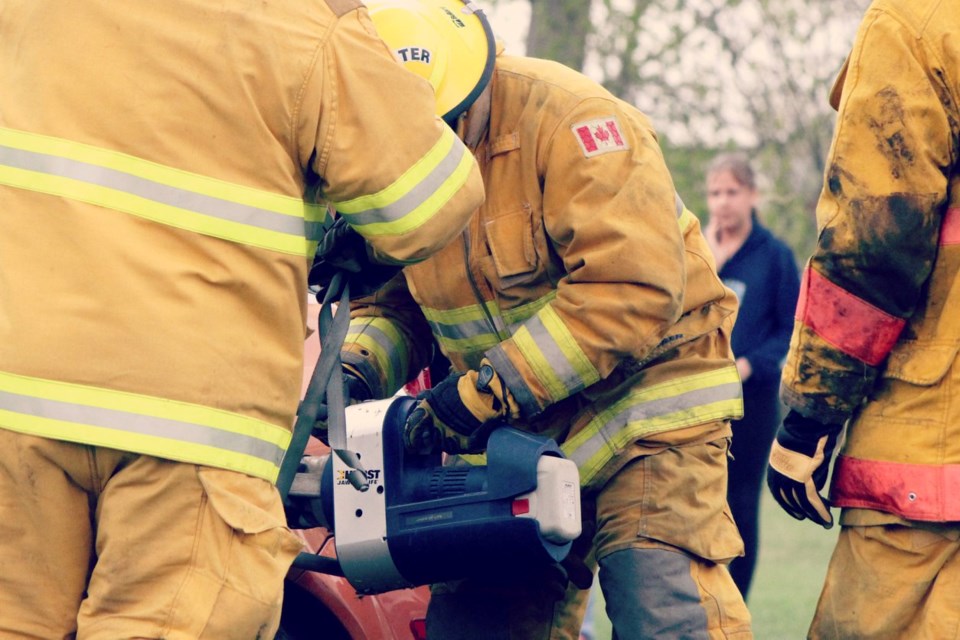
x,y
790,571
793,561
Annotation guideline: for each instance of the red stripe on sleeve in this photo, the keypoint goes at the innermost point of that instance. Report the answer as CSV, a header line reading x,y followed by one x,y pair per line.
x,y
849,323
913,491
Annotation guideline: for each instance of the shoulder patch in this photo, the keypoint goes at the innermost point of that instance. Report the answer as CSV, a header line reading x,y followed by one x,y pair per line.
x,y
340,7
600,135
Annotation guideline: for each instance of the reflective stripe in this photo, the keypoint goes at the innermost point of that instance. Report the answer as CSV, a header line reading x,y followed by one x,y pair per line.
x,y
924,492
846,321
528,404
142,424
950,227
684,402
467,330
417,195
474,329
685,220
382,339
155,192
554,355
526,311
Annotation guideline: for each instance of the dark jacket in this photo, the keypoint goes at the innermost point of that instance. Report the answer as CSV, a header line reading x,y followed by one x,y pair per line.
x,y
764,276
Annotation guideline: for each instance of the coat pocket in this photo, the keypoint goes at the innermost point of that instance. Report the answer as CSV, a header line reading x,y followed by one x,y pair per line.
x,y
263,547
911,390
510,238
920,364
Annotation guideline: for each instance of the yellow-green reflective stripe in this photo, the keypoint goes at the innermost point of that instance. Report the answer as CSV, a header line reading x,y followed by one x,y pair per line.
x,y
466,322
163,194
468,346
687,401
466,329
383,340
526,311
142,424
553,354
417,195
686,219
460,315
462,331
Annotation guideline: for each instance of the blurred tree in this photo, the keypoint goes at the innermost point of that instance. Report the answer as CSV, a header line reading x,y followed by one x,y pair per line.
x,y
715,75
558,31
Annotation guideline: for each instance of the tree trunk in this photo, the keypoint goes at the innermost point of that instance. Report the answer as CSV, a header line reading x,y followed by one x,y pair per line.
x,y
558,31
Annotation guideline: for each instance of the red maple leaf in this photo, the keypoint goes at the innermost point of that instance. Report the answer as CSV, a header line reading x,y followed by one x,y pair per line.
x,y
601,134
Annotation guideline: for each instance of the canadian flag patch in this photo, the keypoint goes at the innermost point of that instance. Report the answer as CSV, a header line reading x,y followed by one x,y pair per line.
x,y
600,135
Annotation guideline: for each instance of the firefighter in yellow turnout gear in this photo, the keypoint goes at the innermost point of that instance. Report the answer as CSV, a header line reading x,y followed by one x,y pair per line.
x,y
154,245
581,302
876,337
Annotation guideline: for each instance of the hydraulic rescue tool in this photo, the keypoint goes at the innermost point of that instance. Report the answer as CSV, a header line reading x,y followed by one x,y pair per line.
x,y
403,520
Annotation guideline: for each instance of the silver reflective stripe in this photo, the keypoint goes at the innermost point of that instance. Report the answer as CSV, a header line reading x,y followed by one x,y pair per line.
x,y
157,192
390,348
506,322
144,425
463,330
529,405
684,402
416,196
556,358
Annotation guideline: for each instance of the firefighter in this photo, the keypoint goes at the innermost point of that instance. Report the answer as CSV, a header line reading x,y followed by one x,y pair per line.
x,y
581,303
154,246
876,336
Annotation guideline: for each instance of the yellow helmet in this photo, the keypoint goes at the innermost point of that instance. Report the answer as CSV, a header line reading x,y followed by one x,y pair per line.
x,y
448,42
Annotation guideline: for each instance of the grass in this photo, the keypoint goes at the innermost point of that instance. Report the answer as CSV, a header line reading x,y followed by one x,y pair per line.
x,y
790,571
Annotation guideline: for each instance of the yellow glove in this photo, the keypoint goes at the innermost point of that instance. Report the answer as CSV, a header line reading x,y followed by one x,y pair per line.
x,y
458,414
799,462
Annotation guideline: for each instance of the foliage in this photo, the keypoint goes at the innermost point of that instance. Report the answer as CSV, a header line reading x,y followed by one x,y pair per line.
x,y
716,75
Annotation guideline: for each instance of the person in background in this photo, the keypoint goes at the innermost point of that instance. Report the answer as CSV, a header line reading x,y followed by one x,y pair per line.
x,y
581,303
876,341
163,171
761,269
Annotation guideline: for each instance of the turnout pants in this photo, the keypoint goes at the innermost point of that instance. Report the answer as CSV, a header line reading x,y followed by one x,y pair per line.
x,y
661,532
104,544
887,582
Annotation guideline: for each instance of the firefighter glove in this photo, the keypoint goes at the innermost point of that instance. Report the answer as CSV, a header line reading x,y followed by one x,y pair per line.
x,y
799,463
355,389
343,249
459,413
